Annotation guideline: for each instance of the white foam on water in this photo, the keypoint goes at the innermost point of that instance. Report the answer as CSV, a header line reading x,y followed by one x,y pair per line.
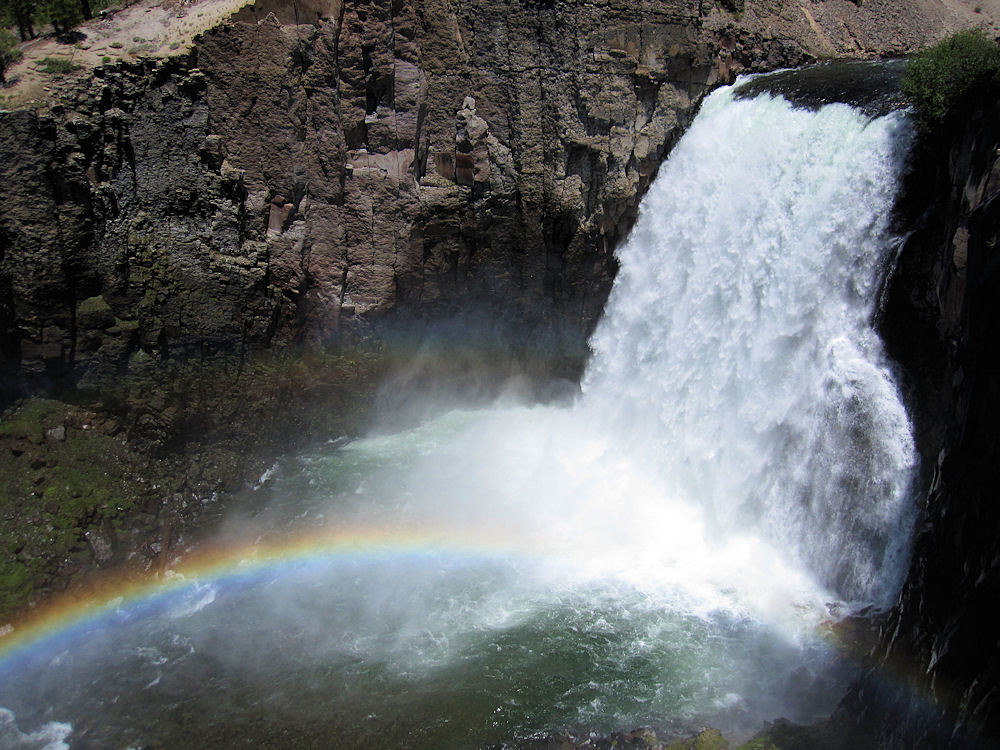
x,y
51,736
740,445
199,597
739,457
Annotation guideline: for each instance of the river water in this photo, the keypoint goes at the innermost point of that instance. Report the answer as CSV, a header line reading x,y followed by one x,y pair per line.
x,y
669,546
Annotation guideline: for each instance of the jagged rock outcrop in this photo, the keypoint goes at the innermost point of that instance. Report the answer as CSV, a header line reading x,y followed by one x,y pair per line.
x,y
379,157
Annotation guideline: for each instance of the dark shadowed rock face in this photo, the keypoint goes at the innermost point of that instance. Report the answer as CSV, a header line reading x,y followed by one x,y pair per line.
x,y
938,649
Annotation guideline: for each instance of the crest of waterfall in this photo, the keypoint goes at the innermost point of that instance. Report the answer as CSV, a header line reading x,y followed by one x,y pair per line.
x,y
736,353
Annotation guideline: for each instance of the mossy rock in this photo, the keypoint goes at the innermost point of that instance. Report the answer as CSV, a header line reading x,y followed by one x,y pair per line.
x,y
94,313
759,743
69,475
707,739
60,477
710,739
17,582
31,419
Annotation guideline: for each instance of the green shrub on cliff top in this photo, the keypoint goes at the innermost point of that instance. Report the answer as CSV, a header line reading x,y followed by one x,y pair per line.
x,y
58,66
941,79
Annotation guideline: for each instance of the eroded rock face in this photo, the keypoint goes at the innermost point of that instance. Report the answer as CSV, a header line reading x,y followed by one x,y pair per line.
x,y
313,167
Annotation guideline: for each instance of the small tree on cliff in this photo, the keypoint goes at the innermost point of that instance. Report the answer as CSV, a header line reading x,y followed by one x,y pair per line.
x,y
64,14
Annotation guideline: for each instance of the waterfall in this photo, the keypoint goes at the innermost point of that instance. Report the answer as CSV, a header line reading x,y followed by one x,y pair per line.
x,y
736,352
665,548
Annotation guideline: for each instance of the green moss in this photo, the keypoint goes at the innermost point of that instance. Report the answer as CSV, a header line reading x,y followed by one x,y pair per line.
x,y
707,739
710,739
55,485
941,79
93,306
30,420
211,423
94,313
17,581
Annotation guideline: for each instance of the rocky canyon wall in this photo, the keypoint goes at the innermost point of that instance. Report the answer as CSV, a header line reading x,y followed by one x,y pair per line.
x,y
176,232
292,181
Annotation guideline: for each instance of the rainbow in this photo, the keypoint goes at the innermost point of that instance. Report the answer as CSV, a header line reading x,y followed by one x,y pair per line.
x,y
129,596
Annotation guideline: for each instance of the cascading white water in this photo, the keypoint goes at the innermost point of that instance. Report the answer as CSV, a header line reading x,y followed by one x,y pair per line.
x,y
664,548
736,351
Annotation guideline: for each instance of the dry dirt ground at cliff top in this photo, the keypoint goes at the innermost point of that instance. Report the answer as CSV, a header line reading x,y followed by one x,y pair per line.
x,y
148,28
837,28
160,28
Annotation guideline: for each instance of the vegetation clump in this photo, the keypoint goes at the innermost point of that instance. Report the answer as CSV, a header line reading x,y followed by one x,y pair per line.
x,y
58,66
942,79
88,483
30,16
60,480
